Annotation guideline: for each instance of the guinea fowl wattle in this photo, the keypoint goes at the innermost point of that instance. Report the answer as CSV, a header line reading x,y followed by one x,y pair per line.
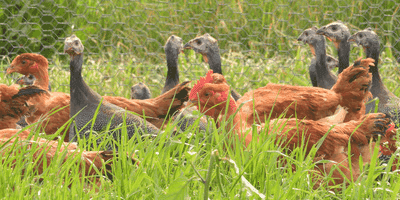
x,y
388,102
325,78
85,101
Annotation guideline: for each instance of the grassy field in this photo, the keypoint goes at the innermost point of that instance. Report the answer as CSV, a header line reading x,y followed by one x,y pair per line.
x,y
195,164
123,45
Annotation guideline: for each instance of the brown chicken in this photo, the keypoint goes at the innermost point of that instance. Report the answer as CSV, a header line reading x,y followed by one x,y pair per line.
x,y
388,147
156,109
13,104
89,162
211,94
350,92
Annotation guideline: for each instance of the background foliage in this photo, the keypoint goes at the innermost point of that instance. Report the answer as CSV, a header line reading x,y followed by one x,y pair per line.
x,y
140,28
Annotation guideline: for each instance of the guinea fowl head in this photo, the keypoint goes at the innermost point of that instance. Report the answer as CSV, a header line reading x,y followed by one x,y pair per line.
x,y
140,91
205,45
210,94
174,45
73,46
366,38
26,80
331,62
335,32
310,37
28,63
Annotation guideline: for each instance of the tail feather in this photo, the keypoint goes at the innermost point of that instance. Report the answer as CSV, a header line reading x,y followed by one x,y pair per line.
x,y
353,84
174,98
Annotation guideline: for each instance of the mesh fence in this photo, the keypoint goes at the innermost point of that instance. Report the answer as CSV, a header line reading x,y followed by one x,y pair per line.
x,y
127,33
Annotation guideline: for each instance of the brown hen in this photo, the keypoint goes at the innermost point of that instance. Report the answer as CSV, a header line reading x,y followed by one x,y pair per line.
x,y
211,94
45,151
13,104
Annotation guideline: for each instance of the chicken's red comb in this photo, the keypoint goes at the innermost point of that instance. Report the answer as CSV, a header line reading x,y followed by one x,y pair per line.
x,y
200,84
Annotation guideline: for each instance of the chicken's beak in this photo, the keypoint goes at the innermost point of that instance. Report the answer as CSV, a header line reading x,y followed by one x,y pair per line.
x,y
10,69
187,46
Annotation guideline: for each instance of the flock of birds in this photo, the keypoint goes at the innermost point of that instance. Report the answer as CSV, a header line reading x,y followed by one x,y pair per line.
x,y
339,104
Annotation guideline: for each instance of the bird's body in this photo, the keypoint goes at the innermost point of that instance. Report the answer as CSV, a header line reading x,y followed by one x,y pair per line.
x,y
211,94
388,102
14,103
87,105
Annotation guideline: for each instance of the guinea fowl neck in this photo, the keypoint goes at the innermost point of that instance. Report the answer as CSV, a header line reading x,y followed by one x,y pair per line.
x,y
173,73
80,91
320,55
343,53
214,60
373,52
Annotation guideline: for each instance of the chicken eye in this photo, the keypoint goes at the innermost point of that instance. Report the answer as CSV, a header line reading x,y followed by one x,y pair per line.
x,y
23,62
206,94
334,28
360,35
306,33
198,42
76,43
328,59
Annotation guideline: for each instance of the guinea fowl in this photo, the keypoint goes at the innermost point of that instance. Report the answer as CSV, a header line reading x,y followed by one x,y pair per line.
x,y
85,102
140,91
29,80
172,48
320,74
13,104
208,47
388,102
156,109
338,33
211,95
272,100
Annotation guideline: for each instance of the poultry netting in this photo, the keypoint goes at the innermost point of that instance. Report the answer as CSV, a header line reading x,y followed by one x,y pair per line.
x,y
124,39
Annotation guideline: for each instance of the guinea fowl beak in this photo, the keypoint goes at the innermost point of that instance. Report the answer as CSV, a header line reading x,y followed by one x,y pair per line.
x,y
352,39
187,46
321,31
73,44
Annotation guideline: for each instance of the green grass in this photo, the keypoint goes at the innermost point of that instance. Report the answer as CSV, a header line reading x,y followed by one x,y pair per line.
x,y
179,166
